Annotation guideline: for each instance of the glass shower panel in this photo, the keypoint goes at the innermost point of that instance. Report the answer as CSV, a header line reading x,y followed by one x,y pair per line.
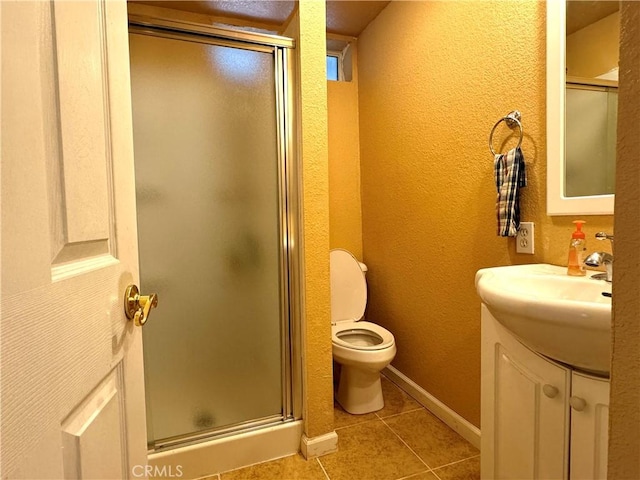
x,y
206,160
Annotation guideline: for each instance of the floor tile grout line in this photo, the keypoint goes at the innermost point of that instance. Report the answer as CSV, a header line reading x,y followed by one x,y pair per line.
x,y
355,424
417,409
401,413
209,477
408,477
433,472
457,461
406,444
323,469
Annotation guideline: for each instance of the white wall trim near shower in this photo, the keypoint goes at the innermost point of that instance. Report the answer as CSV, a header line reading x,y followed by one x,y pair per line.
x,y
466,429
229,453
318,446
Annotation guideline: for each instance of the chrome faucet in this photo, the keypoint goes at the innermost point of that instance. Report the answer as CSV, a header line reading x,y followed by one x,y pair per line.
x,y
602,258
597,259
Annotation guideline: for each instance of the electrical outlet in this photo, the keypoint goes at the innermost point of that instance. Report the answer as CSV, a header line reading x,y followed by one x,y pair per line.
x,y
524,239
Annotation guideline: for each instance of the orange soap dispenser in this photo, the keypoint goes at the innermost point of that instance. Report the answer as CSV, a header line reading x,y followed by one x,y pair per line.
x,y
577,249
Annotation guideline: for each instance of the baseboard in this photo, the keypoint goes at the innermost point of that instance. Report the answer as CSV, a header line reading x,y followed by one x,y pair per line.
x,y
466,429
318,446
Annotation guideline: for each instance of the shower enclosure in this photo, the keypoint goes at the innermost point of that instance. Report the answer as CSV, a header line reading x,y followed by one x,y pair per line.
x,y
216,206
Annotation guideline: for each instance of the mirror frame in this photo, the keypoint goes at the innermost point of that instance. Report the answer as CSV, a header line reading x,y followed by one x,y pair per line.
x,y
557,202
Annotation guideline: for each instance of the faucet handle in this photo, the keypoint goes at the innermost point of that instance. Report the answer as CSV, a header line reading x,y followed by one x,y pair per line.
x,y
604,236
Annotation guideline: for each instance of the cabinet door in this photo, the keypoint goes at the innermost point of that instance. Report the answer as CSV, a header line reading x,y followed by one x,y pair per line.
x,y
589,427
525,416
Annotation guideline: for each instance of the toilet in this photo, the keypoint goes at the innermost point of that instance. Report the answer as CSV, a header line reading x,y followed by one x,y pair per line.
x,y
361,348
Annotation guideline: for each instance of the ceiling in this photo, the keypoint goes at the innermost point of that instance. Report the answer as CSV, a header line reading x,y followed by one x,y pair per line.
x,y
352,17
581,13
344,17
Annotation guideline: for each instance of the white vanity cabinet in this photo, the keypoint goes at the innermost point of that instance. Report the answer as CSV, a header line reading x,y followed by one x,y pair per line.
x,y
540,419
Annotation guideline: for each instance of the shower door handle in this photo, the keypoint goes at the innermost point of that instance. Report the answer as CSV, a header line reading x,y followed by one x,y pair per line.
x,y
136,306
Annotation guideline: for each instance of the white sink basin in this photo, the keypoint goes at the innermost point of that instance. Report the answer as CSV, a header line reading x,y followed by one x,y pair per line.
x,y
565,318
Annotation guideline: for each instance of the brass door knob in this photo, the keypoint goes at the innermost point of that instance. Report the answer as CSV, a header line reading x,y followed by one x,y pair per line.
x,y
136,306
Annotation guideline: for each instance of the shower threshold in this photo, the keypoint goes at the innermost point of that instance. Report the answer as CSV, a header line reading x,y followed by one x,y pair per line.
x,y
216,432
199,458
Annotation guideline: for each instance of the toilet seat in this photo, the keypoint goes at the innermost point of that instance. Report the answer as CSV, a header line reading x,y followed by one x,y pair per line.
x,y
361,328
348,302
348,287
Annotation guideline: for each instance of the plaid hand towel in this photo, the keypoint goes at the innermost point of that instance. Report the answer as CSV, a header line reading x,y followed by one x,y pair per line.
x,y
510,176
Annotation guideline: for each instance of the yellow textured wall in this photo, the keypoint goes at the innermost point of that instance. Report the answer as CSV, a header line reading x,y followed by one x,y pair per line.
x,y
308,27
593,50
433,79
624,442
345,225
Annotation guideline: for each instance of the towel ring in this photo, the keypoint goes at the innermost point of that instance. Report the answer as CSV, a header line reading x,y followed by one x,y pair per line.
x,y
512,120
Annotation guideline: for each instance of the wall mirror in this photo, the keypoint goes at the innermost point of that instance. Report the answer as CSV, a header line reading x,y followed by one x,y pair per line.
x,y
582,84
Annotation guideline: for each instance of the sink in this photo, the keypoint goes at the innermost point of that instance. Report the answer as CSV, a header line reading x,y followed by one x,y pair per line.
x,y
564,318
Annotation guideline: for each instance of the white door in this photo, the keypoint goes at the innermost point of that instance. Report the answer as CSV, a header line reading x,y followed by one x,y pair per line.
x,y
72,381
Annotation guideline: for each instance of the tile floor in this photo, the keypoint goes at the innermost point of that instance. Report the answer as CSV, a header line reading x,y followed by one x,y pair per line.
x,y
401,441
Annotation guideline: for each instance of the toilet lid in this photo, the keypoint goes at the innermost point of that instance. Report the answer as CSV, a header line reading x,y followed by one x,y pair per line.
x,y
348,287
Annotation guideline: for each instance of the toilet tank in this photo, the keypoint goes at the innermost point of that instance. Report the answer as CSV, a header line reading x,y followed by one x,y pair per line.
x,y
363,267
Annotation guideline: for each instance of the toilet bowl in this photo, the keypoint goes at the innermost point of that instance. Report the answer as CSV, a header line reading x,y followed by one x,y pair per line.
x,y
362,348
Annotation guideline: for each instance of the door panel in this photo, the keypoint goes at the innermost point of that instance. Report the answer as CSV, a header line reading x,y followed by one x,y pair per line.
x,y
97,423
84,154
529,435
68,353
81,204
589,428
524,409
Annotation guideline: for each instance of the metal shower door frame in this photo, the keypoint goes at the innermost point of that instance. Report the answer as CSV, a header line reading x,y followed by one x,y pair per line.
x,y
281,49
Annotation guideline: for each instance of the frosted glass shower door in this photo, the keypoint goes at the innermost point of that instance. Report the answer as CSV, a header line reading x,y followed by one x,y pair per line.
x,y
590,132
209,209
